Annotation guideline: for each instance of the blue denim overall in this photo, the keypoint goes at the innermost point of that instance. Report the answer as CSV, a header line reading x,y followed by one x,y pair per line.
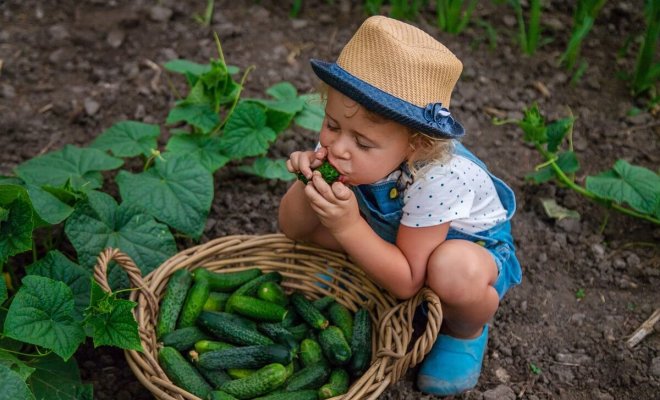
x,y
383,210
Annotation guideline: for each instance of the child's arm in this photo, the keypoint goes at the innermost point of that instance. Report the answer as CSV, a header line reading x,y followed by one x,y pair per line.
x,y
400,268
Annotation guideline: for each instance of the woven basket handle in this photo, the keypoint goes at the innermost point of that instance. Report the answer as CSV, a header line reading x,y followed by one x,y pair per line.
x,y
134,275
424,343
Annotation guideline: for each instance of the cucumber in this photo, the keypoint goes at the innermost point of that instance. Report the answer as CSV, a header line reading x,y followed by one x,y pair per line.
x,y
248,323
335,347
250,288
262,381
226,328
220,395
204,346
246,357
216,301
279,334
183,338
323,303
360,343
240,373
341,317
336,386
172,303
311,353
297,395
182,373
271,291
308,312
299,331
194,303
291,318
226,281
214,377
256,308
312,377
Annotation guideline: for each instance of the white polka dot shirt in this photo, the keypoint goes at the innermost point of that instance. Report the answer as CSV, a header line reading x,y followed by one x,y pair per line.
x,y
456,191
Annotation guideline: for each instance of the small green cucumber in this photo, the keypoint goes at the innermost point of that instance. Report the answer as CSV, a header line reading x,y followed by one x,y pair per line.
x,y
204,346
183,338
297,395
341,317
246,357
335,347
312,377
360,343
172,303
215,377
226,281
279,334
299,331
273,292
226,328
194,303
291,318
311,353
262,381
323,303
250,288
256,308
182,373
240,373
308,312
216,301
220,395
336,386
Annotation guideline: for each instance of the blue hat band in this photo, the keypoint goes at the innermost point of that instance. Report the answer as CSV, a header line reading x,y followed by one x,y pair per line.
x,y
433,120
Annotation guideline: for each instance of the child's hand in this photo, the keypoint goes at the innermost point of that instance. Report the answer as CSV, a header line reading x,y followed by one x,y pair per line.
x,y
305,161
336,205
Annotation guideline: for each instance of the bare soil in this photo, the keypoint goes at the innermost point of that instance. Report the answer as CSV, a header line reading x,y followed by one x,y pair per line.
x,y
70,69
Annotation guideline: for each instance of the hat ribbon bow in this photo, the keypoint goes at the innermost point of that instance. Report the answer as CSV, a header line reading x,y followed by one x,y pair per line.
x,y
435,113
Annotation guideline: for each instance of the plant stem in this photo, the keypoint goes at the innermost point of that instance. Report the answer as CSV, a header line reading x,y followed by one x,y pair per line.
x,y
561,176
233,105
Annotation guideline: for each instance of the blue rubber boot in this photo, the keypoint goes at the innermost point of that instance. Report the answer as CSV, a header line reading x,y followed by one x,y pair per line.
x,y
453,365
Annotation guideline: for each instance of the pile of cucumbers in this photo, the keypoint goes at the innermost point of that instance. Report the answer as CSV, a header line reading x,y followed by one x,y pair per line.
x,y
238,335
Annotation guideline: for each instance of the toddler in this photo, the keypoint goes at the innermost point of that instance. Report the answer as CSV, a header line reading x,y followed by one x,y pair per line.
x,y
413,206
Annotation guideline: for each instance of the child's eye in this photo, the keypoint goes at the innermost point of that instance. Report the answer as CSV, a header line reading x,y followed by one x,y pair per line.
x,y
331,127
362,145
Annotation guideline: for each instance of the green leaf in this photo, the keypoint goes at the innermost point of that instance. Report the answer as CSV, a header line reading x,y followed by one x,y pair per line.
x,y
200,116
55,379
269,169
57,266
128,139
99,223
286,96
16,231
112,322
556,132
11,191
13,386
566,161
282,91
79,166
246,133
177,191
312,115
4,214
629,184
49,208
203,148
42,313
10,361
181,66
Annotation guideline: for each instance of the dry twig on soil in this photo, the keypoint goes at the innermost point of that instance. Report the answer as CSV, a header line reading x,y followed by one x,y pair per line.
x,y
644,330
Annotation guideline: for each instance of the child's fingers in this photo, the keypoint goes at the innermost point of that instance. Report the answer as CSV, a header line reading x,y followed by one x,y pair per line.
x,y
321,153
322,186
340,191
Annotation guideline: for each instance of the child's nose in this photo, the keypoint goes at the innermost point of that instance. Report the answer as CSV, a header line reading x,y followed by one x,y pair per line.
x,y
340,147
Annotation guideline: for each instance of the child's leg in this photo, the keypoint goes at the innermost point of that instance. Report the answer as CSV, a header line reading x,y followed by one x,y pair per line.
x,y
461,273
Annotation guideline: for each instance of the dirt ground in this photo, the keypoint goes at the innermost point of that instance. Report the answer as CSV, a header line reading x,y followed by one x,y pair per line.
x,y
70,69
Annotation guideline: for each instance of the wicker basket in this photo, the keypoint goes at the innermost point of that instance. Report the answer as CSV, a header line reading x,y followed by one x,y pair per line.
x,y
300,265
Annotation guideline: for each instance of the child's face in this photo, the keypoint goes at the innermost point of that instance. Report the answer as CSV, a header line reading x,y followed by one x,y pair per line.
x,y
363,151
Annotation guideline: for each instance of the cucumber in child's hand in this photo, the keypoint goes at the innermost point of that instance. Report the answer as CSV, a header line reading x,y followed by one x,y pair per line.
x,y
328,172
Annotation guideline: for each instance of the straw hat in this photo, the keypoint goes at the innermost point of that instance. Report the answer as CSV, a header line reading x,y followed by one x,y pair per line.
x,y
400,72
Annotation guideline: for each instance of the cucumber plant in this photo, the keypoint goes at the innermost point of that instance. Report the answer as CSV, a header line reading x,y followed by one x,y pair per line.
x,y
630,189
56,217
